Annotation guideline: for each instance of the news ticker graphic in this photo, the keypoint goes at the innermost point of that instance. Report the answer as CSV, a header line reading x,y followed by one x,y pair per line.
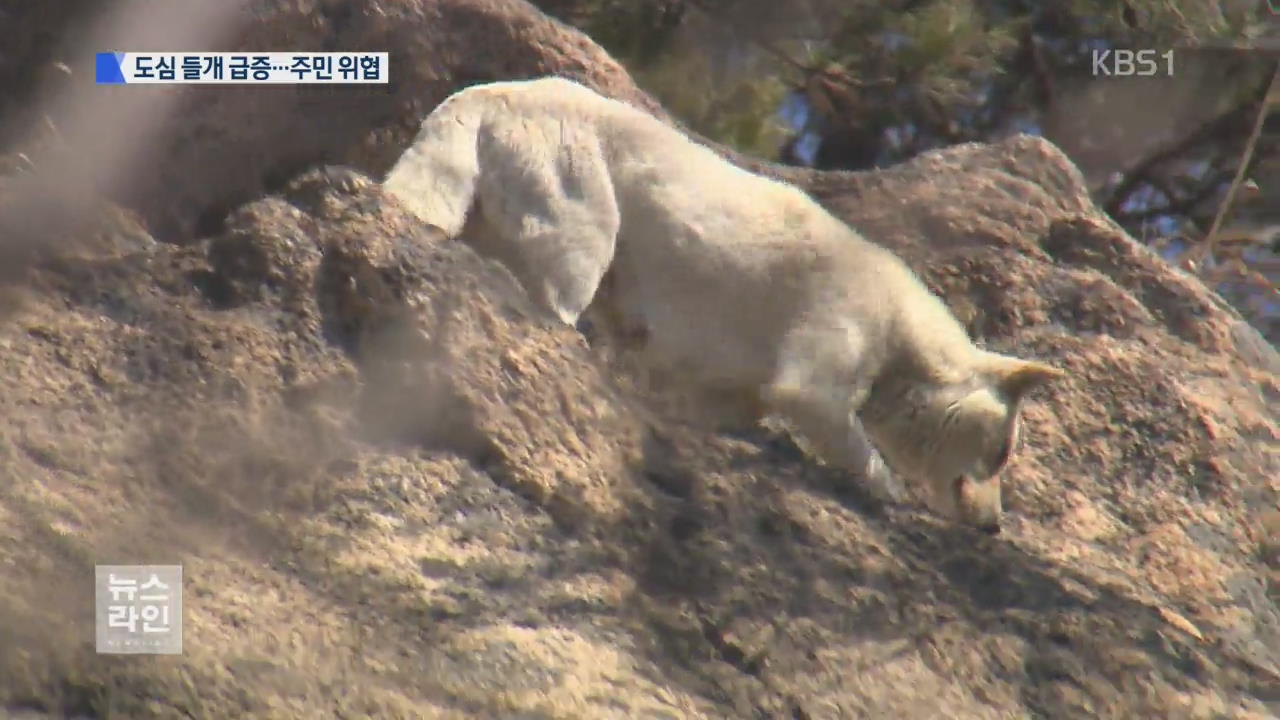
x,y
279,68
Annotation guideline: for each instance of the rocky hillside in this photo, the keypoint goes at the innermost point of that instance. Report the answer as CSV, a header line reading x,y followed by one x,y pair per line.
x,y
397,496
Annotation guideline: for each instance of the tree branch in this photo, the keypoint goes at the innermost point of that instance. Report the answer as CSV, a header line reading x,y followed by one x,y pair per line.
x,y
1199,251
1175,205
1136,176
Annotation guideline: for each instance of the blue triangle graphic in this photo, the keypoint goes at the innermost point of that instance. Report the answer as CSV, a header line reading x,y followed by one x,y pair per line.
x,y
107,69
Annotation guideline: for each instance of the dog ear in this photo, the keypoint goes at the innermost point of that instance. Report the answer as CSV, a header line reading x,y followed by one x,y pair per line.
x,y
1016,377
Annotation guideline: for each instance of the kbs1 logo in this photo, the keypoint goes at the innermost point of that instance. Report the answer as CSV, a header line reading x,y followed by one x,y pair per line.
x,y
1119,62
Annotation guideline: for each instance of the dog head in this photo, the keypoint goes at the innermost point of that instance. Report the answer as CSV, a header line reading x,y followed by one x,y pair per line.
x,y
956,437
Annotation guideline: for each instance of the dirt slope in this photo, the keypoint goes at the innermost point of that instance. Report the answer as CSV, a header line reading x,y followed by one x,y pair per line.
x,y
395,495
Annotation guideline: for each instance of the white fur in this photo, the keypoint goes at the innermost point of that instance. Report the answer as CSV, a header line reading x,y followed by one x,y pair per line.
x,y
739,281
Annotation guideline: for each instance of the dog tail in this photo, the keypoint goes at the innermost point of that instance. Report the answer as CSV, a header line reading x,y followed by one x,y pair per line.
x,y
436,177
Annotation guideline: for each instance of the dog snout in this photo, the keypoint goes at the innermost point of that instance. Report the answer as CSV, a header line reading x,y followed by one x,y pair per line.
x,y
979,503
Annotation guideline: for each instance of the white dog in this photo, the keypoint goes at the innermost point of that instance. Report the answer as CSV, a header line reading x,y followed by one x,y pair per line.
x,y
740,281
